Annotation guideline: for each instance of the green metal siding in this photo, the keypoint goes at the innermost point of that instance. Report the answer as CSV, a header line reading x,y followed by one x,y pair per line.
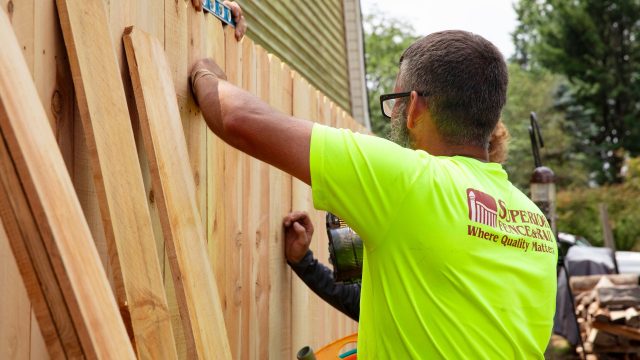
x,y
307,35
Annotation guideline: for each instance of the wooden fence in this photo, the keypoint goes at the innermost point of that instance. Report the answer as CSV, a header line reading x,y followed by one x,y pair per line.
x,y
269,313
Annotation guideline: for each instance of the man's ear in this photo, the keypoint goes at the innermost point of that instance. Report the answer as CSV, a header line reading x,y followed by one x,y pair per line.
x,y
415,110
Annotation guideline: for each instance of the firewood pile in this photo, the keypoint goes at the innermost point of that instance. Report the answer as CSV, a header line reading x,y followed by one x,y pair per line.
x,y
608,313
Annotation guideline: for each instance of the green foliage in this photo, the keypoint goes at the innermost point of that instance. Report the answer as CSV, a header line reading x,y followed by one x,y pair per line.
x,y
578,213
385,40
594,43
533,90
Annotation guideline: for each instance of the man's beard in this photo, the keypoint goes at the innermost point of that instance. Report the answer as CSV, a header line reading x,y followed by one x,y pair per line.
x,y
399,133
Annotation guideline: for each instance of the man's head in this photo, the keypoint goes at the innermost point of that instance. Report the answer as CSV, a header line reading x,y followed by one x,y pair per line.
x,y
465,78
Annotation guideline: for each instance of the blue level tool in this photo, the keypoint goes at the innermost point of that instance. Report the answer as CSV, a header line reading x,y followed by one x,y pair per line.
x,y
218,10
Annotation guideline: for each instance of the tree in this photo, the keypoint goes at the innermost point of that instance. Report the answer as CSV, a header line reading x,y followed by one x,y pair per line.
x,y
385,40
535,90
594,44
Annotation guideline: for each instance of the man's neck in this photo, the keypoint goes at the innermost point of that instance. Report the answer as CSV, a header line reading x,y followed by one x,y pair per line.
x,y
474,152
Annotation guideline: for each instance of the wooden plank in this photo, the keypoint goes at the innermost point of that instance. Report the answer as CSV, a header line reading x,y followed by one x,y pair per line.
x,y
38,348
259,230
15,309
619,297
21,15
585,283
621,330
216,240
168,156
280,97
301,200
34,263
107,126
39,190
251,212
234,175
176,47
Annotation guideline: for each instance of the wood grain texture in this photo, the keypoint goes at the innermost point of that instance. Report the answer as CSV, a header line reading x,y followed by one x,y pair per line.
x,y
35,265
176,47
234,175
280,97
15,307
252,197
37,187
118,179
226,179
176,196
301,201
260,231
216,240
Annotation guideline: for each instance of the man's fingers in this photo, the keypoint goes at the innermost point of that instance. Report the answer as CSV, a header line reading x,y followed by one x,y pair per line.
x,y
298,228
241,28
241,24
236,11
197,4
293,216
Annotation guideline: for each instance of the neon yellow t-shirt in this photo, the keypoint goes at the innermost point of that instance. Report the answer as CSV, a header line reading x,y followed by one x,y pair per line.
x,y
458,262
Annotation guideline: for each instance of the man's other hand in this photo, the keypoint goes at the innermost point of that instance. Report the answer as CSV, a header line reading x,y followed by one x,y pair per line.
x,y
236,11
298,231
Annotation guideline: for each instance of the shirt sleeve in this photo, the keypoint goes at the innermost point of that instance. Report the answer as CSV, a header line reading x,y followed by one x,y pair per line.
x,y
344,297
361,178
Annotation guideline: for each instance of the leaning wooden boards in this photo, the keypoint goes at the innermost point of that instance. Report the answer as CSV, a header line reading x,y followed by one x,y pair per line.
x,y
118,178
45,224
164,140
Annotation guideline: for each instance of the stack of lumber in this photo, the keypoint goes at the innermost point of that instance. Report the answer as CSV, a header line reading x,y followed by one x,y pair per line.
x,y
607,309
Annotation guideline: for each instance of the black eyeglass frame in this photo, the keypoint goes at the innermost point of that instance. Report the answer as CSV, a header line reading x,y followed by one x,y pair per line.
x,y
385,97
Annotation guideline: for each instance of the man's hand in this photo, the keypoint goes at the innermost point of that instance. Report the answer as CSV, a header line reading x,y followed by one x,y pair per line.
x,y
298,231
201,69
236,11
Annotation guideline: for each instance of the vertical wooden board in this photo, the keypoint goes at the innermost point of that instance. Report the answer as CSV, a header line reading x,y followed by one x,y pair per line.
x,y
280,97
15,308
116,169
52,77
259,231
195,129
235,237
301,334
41,193
251,212
333,114
38,348
176,46
216,240
176,192
21,16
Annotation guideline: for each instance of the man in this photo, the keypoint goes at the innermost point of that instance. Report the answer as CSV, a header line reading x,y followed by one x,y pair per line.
x,y
297,238
345,297
458,262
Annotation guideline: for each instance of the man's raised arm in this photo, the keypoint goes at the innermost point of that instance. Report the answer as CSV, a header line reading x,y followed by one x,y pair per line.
x,y
250,125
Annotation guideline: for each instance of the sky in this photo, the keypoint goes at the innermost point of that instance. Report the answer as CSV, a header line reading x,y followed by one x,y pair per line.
x,y
492,19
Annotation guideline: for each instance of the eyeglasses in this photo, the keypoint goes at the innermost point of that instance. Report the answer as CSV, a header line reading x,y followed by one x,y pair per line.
x,y
388,101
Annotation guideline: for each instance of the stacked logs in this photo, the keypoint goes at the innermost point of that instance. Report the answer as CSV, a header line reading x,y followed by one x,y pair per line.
x,y
607,308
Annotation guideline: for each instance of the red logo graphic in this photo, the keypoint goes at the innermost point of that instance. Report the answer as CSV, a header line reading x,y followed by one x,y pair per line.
x,y
482,207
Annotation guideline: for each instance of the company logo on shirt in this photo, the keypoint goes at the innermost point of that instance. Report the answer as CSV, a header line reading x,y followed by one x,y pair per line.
x,y
482,207
515,228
